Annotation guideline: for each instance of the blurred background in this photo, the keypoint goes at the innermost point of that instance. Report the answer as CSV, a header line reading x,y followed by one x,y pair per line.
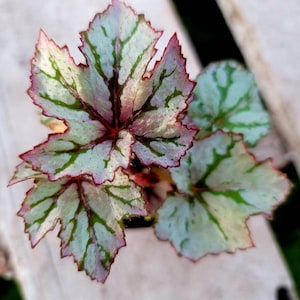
x,y
214,41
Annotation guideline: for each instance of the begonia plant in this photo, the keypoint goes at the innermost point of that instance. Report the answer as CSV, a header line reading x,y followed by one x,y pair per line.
x,y
135,140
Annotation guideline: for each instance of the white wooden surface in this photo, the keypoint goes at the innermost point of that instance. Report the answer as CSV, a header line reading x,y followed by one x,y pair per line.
x,y
146,268
268,34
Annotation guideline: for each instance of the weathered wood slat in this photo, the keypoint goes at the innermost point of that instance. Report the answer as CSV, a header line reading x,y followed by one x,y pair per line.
x,y
267,33
146,268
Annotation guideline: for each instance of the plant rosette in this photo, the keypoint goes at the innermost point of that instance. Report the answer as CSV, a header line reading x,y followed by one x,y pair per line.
x,y
133,141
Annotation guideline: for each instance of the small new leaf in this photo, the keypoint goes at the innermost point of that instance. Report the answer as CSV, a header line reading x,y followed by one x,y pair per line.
x,y
219,186
227,98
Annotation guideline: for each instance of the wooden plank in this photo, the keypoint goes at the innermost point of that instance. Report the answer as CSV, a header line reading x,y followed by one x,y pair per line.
x,y
146,268
267,33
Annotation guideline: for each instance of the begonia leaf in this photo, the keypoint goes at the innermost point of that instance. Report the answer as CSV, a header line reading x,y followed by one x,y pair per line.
x,y
112,105
226,97
23,172
219,186
91,228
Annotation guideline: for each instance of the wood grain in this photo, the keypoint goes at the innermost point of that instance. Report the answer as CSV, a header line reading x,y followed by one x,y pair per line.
x,y
267,33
